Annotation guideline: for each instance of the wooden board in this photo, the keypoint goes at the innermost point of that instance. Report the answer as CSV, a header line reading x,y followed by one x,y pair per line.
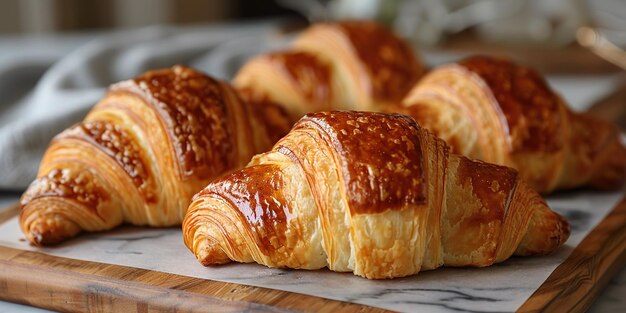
x,y
66,284
72,285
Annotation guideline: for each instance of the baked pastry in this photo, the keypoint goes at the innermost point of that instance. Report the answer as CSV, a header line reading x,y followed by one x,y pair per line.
x,y
500,112
141,154
368,193
342,66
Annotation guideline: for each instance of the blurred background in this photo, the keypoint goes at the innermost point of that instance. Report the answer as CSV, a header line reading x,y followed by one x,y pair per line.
x,y
50,16
57,57
494,26
428,22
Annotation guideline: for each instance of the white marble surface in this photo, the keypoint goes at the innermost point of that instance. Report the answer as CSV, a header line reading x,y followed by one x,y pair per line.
x,y
503,287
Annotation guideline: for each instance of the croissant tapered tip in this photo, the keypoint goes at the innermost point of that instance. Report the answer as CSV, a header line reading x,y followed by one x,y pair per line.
x,y
208,252
43,232
558,237
547,230
611,175
44,229
563,231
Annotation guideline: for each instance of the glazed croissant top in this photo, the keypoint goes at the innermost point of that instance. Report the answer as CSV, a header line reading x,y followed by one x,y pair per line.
x,y
347,65
368,193
504,113
142,152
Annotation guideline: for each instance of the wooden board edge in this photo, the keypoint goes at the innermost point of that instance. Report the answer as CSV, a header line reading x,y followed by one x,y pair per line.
x,y
64,284
575,283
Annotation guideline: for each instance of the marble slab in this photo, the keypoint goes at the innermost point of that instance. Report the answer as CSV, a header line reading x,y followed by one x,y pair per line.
x,y
499,288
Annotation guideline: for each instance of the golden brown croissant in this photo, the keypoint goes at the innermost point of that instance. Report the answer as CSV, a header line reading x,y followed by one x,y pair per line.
x,y
368,193
141,153
347,65
494,110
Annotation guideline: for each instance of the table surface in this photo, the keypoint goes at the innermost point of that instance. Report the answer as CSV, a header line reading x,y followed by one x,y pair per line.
x,y
611,299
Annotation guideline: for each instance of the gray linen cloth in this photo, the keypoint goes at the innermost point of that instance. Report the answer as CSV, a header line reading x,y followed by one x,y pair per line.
x,y
47,84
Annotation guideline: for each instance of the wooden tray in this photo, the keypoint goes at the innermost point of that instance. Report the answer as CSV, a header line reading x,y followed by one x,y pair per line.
x,y
66,284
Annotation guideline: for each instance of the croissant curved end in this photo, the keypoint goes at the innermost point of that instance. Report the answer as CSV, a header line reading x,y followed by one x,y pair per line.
x,y
209,252
43,233
564,230
546,231
612,172
46,230
206,249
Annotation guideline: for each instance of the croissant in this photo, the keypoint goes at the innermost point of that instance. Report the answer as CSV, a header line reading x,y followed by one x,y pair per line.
x,y
368,193
348,65
500,112
141,154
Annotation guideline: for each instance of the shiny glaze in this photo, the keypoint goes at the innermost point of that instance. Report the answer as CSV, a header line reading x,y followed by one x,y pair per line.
x,y
257,193
389,60
492,184
123,148
311,75
194,112
380,157
530,107
69,184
